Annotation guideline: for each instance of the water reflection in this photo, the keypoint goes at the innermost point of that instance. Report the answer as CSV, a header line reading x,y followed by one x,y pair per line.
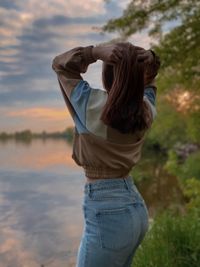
x,y
161,192
40,205
39,154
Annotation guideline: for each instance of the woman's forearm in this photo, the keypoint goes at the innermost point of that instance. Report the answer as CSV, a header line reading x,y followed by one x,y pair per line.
x,y
74,61
69,66
110,53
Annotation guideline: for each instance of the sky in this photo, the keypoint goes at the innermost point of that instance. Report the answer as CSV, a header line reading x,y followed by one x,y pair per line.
x,y
32,33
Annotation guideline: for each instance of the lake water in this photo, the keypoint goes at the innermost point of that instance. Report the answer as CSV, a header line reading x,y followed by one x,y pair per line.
x,y
41,192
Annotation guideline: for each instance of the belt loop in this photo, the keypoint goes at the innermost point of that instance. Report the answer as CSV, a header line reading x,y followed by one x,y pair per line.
x,y
126,183
89,190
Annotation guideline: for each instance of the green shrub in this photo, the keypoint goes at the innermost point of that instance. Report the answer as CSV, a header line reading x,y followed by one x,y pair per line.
x,y
191,167
169,126
172,165
185,170
152,159
191,190
193,125
172,241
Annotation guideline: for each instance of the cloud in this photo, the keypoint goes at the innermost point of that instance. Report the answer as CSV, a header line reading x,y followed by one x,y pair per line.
x,y
27,94
68,8
40,112
33,32
32,38
141,39
9,4
123,3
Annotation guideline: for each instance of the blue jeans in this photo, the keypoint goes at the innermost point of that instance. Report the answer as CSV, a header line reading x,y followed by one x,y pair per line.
x,y
116,221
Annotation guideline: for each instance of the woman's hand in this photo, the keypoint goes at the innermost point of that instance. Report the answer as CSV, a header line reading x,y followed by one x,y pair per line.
x,y
144,55
113,53
110,54
152,64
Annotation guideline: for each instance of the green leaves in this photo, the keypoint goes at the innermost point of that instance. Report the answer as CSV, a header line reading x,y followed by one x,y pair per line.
x,y
178,47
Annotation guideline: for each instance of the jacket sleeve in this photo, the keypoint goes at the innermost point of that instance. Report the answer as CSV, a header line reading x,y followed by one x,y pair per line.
x,y
76,92
150,98
151,70
69,65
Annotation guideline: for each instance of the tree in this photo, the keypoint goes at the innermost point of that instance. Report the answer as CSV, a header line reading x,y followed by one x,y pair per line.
x,y
175,24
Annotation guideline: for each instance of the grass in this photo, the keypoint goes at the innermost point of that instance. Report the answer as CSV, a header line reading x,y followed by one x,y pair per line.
x,y
172,241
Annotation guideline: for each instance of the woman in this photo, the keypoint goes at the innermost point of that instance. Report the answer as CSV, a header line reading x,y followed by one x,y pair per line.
x,y
110,127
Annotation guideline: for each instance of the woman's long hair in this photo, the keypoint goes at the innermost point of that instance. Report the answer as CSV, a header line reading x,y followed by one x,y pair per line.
x,y
125,109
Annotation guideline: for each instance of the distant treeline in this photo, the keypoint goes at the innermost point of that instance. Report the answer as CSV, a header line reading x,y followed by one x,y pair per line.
x,y
28,135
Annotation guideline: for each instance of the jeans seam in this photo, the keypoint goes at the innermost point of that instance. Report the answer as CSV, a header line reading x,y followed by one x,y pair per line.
x,y
144,228
127,185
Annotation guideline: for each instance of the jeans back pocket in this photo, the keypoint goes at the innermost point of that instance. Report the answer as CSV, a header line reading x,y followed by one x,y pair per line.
x,y
115,228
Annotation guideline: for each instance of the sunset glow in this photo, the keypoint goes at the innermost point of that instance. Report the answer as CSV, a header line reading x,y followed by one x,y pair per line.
x,y
40,112
183,100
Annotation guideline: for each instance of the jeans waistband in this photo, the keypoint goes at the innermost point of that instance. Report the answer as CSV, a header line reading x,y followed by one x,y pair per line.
x,y
109,183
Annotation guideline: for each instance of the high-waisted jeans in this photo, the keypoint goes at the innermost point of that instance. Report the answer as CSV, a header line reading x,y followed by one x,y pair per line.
x,y
116,220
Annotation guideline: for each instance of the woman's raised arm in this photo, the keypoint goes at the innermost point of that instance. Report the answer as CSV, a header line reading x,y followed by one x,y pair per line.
x,y
110,54
70,64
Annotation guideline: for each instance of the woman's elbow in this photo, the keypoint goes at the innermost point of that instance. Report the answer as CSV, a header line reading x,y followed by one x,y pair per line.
x,y
55,64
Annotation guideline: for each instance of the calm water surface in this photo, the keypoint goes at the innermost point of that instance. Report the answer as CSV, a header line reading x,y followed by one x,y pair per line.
x,y
41,192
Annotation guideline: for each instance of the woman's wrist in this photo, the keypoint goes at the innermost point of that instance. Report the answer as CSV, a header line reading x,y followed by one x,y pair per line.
x,y
88,54
95,52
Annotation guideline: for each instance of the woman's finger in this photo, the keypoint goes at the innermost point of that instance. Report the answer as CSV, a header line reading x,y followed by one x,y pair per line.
x,y
141,52
142,57
118,54
115,58
111,62
77,53
139,49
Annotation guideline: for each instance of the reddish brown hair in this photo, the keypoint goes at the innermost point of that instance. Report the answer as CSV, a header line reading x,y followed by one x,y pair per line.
x,y
125,109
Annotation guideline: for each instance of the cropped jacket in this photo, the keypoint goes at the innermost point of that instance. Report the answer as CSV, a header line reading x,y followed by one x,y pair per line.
x,y
102,151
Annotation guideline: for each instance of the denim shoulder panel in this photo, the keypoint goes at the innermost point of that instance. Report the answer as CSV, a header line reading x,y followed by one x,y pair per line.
x,y
150,94
151,106
79,98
